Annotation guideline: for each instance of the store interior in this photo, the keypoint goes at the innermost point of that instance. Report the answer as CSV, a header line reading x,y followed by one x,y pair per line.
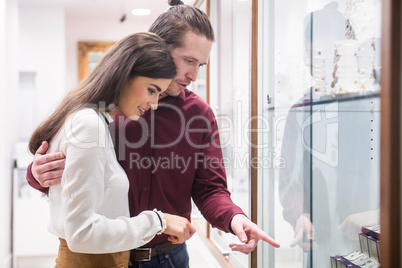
x,y
297,90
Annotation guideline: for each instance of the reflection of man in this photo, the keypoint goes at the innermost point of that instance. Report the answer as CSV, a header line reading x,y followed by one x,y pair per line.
x,y
327,199
329,188
183,129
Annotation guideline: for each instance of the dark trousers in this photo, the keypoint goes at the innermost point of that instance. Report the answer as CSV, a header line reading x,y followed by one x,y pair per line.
x,y
176,257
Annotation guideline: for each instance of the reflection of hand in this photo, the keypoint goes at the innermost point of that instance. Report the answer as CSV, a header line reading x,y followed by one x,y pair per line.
x,y
179,228
352,225
304,233
249,234
47,169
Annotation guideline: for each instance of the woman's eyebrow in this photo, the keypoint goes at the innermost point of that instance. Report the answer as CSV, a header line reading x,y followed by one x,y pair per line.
x,y
158,88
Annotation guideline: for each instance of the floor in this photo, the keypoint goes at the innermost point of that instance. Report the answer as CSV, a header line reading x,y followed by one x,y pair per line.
x,y
200,257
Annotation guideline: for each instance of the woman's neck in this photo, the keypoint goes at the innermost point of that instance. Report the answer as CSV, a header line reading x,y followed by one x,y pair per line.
x,y
114,112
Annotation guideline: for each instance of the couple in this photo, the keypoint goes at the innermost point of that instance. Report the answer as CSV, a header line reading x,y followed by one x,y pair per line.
x,y
89,207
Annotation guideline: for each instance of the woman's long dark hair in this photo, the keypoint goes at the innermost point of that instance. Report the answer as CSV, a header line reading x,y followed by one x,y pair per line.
x,y
139,54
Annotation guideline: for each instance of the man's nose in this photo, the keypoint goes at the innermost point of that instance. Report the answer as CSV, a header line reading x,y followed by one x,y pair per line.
x,y
192,74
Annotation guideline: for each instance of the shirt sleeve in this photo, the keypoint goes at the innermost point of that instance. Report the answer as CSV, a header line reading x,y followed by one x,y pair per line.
x,y
32,182
210,192
83,185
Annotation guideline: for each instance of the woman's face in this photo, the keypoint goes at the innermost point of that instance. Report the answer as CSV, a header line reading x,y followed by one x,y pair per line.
x,y
140,94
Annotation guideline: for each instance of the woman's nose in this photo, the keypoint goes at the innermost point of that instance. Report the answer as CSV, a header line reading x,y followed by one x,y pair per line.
x,y
154,106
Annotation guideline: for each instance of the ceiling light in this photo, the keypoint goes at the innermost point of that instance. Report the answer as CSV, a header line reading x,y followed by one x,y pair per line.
x,y
141,11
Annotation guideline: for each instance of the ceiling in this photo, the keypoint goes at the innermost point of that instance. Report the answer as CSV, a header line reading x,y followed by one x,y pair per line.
x,y
102,8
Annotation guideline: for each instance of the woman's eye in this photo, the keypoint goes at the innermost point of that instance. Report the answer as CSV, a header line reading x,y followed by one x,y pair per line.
x,y
151,91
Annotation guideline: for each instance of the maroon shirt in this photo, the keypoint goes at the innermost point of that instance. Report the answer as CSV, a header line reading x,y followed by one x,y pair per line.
x,y
183,161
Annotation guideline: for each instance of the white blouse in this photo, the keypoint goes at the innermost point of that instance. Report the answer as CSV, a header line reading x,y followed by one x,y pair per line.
x,y
89,208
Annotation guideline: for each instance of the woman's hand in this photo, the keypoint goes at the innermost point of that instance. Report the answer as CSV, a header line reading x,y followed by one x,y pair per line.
x,y
179,228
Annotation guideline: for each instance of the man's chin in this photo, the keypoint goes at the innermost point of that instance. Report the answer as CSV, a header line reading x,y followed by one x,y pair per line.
x,y
173,93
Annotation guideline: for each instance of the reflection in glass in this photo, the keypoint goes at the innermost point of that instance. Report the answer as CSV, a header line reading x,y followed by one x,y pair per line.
x,y
325,122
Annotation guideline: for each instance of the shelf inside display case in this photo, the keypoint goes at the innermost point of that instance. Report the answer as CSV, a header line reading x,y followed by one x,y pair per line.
x,y
327,99
338,97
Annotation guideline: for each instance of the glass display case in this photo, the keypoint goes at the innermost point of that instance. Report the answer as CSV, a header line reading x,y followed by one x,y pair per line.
x,y
319,95
230,101
227,79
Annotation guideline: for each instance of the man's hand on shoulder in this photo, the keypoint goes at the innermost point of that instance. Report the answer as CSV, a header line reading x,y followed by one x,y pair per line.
x,y
249,234
47,169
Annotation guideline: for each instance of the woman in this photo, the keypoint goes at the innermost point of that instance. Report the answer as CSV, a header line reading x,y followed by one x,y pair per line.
x,y
89,209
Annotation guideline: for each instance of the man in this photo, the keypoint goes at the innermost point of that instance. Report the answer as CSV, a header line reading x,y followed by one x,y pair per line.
x,y
173,154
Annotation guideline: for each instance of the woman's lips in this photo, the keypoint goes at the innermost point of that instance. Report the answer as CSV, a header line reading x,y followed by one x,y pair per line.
x,y
142,111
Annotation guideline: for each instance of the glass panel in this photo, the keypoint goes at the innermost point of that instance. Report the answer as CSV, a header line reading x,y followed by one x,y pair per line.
x,y
320,71
199,86
230,99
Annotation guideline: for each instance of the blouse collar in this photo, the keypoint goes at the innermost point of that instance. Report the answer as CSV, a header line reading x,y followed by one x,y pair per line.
x,y
107,117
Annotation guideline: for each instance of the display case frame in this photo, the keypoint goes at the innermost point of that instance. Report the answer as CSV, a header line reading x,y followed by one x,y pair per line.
x,y
391,181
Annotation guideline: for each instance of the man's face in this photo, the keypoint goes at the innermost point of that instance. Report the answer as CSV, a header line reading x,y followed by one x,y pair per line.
x,y
188,60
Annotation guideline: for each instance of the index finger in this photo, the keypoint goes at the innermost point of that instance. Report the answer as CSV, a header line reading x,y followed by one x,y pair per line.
x,y
263,236
297,239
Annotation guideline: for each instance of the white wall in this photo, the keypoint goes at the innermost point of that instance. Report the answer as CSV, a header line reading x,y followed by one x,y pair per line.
x,y
4,203
8,90
42,53
81,29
